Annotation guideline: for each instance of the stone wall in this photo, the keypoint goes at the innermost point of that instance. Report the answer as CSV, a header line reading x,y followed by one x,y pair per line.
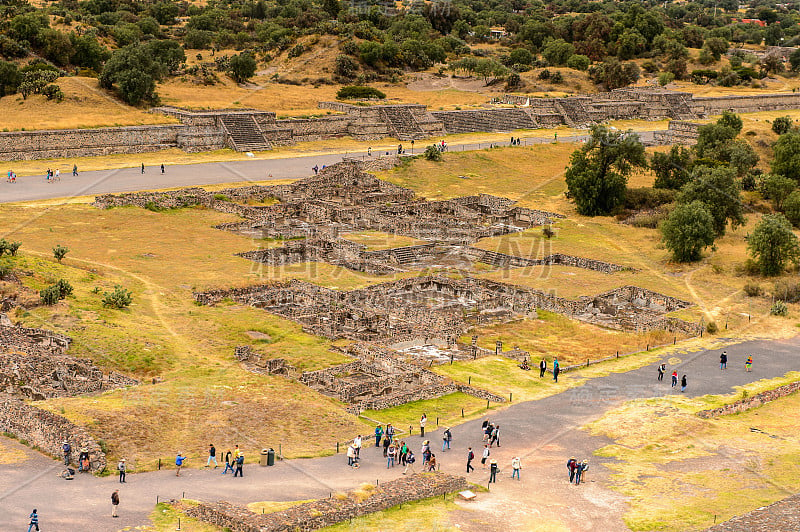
x,y
326,512
47,431
755,401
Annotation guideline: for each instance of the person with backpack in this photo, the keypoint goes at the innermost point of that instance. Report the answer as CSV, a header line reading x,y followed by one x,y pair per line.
x,y
410,459
572,466
579,469
493,471
432,462
239,466
723,360
34,517
446,437
121,467
390,456
114,503
661,370
66,449
470,458
674,378
179,460
683,383
556,369
228,462
494,439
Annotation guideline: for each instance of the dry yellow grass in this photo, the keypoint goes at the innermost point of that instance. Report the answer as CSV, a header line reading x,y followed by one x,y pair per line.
x,y
85,106
375,240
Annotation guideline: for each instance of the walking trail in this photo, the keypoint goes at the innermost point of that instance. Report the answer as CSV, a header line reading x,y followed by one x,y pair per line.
x,y
543,433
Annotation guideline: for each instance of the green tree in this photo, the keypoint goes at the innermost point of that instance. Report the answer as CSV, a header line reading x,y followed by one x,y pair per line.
x,y
717,46
432,153
786,161
558,51
673,169
614,74
782,124
777,188
242,67
520,56
165,12
87,52
598,171
717,189
332,7
10,78
791,208
773,244
711,137
731,120
132,71
167,54
688,230
579,62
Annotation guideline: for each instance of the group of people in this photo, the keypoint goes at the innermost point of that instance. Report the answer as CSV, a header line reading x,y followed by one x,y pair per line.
x,y
84,464
723,362
516,141
723,365
577,470
12,177
491,433
662,369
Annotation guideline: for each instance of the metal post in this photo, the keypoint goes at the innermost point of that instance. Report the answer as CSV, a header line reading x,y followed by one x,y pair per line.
x,y
469,380
179,524
159,464
487,404
337,447
587,362
462,412
510,395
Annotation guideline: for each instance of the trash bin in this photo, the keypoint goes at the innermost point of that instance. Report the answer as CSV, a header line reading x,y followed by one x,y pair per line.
x,y
271,457
263,461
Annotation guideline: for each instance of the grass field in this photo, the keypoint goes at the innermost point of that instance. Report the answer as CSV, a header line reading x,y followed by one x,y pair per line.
x,y
682,472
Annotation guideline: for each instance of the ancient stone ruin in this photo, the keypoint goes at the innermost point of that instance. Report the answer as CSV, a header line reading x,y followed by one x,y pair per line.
x,y
251,130
402,327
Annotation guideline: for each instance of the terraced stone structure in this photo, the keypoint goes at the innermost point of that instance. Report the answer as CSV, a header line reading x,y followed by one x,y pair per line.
x,y
253,130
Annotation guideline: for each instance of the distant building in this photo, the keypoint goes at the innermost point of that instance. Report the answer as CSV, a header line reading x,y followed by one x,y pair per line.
x,y
497,32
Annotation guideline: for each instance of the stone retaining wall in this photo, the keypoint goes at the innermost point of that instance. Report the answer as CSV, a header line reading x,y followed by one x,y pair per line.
x,y
757,400
47,431
326,512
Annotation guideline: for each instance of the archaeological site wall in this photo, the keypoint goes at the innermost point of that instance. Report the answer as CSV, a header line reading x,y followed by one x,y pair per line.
x,y
253,130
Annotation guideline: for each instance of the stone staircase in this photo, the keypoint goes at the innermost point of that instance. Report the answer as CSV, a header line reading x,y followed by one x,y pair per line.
x,y
575,114
404,255
680,107
402,123
243,133
485,120
493,258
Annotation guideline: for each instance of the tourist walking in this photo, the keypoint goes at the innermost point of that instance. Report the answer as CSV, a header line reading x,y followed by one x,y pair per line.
x,y
432,462
495,436
121,467
390,456
357,445
422,422
578,473
404,450
447,436
369,151
162,168
683,383
74,170
212,456
584,465
179,460
66,449
470,458
351,455
542,367
572,466
114,503
723,360
425,451
556,369
390,432
492,471
516,465
484,426
58,174
748,364
410,459
386,443
378,436
228,462
661,370
239,466
142,167
486,454
674,378
34,523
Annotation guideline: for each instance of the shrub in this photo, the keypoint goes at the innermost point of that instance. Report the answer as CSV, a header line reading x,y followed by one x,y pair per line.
x,y
13,247
787,291
711,327
779,308
64,288
648,198
53,92
59,252
547,232
5,269
556,77
665,78
544,74
352,92
753,290
432,153
119,298
50,295
3,246
782,125
791,207
579,62
221,197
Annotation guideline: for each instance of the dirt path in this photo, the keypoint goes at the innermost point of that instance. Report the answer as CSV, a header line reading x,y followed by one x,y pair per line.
x,y
543,433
